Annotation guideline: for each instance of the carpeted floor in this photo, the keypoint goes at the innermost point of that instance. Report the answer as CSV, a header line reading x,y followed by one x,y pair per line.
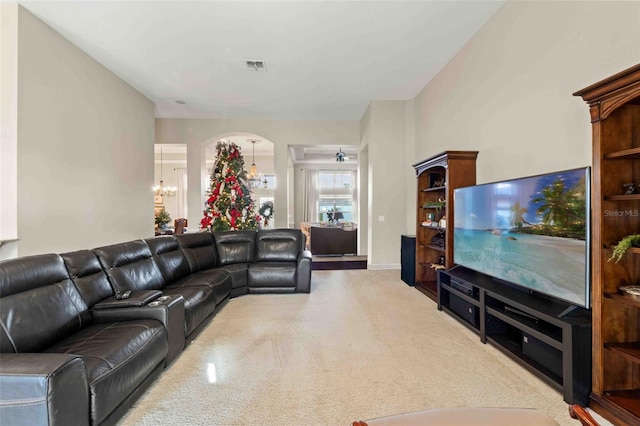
x,y
363,344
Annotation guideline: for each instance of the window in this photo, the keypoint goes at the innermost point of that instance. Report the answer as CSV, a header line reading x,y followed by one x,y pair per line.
x,y
335,193
335,180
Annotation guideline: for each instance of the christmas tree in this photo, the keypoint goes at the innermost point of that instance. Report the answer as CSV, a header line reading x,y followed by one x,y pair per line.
x,y
229,205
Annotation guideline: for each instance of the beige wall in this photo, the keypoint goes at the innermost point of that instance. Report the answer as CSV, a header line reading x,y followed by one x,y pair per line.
x,y
9,130
198,133
364,191
84,148
387,178
508,93
85,138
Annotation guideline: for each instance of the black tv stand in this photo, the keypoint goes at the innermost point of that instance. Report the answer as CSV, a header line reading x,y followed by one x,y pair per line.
x,y
571,310
534,330
515,311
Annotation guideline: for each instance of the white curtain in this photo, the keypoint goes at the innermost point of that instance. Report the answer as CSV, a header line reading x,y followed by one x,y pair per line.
x,y
310,195
181,193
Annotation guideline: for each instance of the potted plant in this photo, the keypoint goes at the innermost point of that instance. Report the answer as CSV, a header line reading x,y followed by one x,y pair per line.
x,y
162,219
435,204
623,245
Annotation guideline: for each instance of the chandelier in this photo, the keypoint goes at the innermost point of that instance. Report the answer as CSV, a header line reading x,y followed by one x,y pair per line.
x,y
161,190
254,177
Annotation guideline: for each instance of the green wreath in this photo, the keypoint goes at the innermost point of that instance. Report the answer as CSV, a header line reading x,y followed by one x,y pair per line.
x,y
266,210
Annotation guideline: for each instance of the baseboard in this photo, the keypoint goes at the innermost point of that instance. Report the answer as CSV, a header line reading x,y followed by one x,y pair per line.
x,y
384,266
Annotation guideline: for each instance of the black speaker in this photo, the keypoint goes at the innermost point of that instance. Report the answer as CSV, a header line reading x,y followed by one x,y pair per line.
x,y
408,259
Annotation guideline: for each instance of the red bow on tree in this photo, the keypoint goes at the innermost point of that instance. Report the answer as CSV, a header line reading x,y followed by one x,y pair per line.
x,y
234,215
205,222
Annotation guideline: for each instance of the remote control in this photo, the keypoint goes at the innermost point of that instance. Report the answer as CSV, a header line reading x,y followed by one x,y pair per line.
x,y
125,295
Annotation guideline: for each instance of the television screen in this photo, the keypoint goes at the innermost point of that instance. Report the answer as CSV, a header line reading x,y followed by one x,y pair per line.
x,y
532,232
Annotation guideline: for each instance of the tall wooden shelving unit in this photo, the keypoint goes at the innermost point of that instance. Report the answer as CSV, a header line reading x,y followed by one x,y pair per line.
x,y
614,105
437,177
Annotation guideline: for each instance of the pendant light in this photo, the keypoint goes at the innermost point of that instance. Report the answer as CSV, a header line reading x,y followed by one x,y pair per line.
x,y
254,179
161,190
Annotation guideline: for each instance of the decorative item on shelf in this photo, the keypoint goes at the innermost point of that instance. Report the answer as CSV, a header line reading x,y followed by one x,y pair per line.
x,y
436,180
629,188
266,212
160,191
623,245
442,223
162,218
430,218
253,178
437,266
438,240
631,291
435,204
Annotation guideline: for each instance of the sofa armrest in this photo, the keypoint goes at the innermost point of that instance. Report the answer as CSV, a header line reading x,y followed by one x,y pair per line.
x,y
136,298
303,270
169,310
43,389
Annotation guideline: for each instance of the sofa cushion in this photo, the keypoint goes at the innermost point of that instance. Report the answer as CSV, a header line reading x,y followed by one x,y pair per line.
x,y
88,276
279,245
29,272
239,273
218,279
199,303
130,266
169,257
118,357
235,246
199,250
272,275
40,304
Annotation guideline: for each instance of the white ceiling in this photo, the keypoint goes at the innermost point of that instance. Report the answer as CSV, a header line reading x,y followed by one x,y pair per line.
x,y
325,60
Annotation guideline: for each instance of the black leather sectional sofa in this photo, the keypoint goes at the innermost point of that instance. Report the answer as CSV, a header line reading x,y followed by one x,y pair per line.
x,y
73,352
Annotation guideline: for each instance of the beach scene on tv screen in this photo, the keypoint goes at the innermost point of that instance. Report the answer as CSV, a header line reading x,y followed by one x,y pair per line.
x,y
531,232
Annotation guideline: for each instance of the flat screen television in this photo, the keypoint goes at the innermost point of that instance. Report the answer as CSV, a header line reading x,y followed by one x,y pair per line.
x,y
532,232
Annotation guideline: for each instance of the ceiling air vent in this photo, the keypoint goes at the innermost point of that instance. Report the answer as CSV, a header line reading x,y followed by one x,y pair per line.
x,y
256,66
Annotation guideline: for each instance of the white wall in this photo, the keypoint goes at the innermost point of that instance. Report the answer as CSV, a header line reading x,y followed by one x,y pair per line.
x,y
411,182
388,170
9,130
84,150
196,133
508,93
364,190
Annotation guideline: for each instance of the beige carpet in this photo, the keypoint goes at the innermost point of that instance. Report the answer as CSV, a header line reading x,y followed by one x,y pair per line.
x,y
363,344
